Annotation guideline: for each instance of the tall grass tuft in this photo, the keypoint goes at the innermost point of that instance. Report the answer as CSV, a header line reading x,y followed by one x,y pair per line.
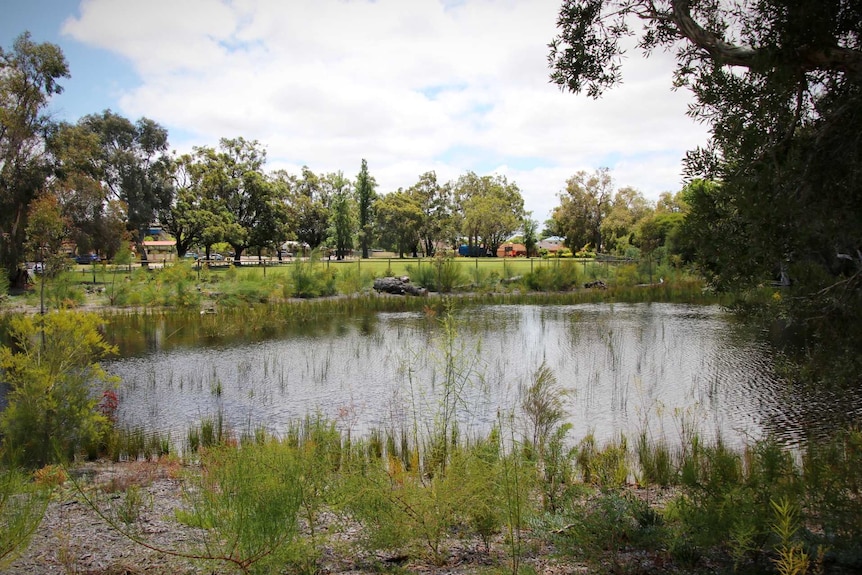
x,y
22,506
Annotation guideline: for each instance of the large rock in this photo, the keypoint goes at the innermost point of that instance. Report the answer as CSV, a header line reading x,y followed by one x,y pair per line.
x,y
398,286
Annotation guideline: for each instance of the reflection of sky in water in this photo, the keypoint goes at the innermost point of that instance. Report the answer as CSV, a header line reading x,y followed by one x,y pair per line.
x,y
665,369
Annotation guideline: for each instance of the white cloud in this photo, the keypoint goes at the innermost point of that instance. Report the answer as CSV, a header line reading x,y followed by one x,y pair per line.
x,y
406,85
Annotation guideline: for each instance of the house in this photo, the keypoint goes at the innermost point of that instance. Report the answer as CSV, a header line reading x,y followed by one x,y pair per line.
x,y
552,244
511,250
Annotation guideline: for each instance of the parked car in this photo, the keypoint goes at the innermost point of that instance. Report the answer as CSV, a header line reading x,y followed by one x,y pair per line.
x,y
87,259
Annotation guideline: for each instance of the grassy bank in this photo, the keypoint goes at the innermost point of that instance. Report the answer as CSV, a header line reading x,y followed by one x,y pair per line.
x,y
184,285
265,504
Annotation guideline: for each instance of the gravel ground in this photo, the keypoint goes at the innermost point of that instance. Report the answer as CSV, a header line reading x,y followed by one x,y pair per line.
x,y
74,539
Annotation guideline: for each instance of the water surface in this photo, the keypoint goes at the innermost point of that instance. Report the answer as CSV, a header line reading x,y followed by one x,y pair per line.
x,y
666,369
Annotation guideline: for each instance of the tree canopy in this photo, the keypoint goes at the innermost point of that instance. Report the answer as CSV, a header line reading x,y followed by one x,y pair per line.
x,y
29,76
779,82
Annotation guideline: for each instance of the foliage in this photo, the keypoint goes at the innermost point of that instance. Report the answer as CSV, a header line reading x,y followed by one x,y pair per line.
x,y
55,385
443,275
307,206
342,220
30,78
561,276
311,279
492,209
602,527
436,205
657,465
399,219
22,506
542,405
780,84
132,164
247,499
365,197
583,205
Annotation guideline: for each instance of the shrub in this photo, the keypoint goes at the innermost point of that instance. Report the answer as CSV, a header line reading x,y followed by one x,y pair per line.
x,y
55,386
442,275
22,506
247,500
311,279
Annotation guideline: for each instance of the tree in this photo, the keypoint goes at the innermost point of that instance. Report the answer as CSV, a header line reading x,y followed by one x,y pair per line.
x,y
307,206
399,219
28,79
435,203
95,224
628,207
193,218
365,197
46,230
583,205
492,209
232,178
531,230
134,168
779,83
343,215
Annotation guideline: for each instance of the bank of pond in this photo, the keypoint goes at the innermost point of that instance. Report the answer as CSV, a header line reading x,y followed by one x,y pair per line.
x,y
623,435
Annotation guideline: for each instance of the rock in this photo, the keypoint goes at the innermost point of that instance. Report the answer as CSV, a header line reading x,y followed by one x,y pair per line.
x,y
398,286
598,284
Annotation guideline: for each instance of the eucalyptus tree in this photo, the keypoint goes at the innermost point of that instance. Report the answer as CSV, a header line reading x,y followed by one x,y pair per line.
x,y
232,178
399,219
365,196
307,203
779,83
29,75
492,207
583,205
626,209
436,206
193,218
96,223
134,168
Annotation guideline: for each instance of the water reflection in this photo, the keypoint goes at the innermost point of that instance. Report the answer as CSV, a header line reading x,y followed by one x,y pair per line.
x,y
664,369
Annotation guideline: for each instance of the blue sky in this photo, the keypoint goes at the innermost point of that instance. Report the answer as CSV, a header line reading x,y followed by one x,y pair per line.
x,y
415,86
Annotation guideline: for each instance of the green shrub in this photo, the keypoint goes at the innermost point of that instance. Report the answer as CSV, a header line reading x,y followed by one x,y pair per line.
x,y
311,279
247,500
559,276
352,280
443,274
55,385
63,292
22,506
606,467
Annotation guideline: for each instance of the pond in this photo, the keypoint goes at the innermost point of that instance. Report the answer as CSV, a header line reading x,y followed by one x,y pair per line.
x,y
665,369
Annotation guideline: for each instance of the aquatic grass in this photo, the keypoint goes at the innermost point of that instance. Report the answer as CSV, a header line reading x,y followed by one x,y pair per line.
x,y
656,463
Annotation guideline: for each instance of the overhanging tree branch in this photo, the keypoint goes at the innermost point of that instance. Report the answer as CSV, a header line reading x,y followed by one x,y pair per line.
x,y
810,58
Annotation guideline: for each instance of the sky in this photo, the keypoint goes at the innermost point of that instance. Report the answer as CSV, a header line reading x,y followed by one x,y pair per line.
x,y
409,85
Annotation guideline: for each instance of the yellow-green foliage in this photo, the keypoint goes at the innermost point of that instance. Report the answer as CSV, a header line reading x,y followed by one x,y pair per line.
x,y
55,383
22,505
247,499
